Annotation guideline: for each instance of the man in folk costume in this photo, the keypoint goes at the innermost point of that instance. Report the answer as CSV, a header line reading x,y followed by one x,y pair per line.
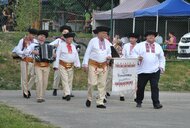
x,y
66,58
95,62
57,77
42,68
127,50
151,64
26,64
118,49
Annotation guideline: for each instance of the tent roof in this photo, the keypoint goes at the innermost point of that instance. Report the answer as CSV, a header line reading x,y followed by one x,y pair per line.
x,y
167,8
125,10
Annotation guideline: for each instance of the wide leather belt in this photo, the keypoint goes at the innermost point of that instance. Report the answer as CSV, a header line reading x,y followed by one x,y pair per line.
x,y
28,59
97,64
65,64
42,64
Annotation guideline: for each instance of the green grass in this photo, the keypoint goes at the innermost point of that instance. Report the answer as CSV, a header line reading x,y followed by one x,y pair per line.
x,y
176,77
12,118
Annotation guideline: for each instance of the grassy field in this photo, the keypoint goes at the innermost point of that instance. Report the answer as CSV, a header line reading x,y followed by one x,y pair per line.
x,y
176,77
12,118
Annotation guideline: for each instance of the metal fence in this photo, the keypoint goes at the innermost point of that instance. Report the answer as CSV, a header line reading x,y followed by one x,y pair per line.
x,y
78,14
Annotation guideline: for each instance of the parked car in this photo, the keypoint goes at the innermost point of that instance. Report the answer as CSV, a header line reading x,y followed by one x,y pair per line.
x,y
184,47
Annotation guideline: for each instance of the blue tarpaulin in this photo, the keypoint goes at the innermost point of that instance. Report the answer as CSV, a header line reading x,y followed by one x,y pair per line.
x,y
167,8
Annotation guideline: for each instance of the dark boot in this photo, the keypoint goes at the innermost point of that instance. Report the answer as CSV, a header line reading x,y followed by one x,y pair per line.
x,y
88,103
122,98
55,92
101,106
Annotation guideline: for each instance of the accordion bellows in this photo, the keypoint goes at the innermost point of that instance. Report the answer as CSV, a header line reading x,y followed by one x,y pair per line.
x,y
46,52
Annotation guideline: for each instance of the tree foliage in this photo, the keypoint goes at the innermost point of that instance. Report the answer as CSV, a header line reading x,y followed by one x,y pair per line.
x,y
27,12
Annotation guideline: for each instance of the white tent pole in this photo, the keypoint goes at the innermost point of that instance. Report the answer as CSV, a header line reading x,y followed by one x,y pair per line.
x,y
157,20
166,29
133,24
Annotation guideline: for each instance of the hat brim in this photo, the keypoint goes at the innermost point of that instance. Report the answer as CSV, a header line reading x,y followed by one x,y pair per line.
x,y
101,29
151,33
65,27
43,32
33,31
68,35
133,35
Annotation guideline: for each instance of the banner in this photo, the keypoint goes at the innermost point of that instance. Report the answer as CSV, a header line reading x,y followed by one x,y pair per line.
x,y
124,75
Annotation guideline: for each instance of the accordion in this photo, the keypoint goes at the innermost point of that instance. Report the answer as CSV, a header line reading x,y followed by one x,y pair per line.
x,y
45,53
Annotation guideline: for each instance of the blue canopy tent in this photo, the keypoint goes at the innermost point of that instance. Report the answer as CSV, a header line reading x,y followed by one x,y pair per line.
x,y
169,8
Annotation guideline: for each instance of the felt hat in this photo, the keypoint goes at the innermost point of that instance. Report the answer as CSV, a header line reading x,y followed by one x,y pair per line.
x,y
70,34
101,29
43,32
65,27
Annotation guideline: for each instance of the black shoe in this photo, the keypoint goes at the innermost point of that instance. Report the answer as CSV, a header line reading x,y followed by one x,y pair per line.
x,y
158,106
68,98
108,94
72,95
40,100
122,98
26,96
105,101
101,106
88,103
138,105
55,92
29,94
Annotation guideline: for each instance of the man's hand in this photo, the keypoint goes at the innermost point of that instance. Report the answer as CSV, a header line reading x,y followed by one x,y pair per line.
x,y
54,55
109,57
55,69
35,52
161,70
56,45
140,58
85,68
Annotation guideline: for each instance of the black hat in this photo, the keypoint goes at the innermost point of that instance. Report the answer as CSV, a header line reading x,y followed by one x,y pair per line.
x,y
70,34
43,32
65,27
33,31
150,33
133,35
101,29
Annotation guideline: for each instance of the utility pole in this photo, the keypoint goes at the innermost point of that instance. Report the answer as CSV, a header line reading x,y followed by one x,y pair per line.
x,y
111,21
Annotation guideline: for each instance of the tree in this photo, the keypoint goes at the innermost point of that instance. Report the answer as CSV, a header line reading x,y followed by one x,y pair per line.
x,y
27,12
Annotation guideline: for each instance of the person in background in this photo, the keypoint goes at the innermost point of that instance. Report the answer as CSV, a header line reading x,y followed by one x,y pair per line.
x,y
87,25
172,42
42,68
127,50
57,77
26,64
4,21
124,40
159,39
66,58
151,65
117,44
